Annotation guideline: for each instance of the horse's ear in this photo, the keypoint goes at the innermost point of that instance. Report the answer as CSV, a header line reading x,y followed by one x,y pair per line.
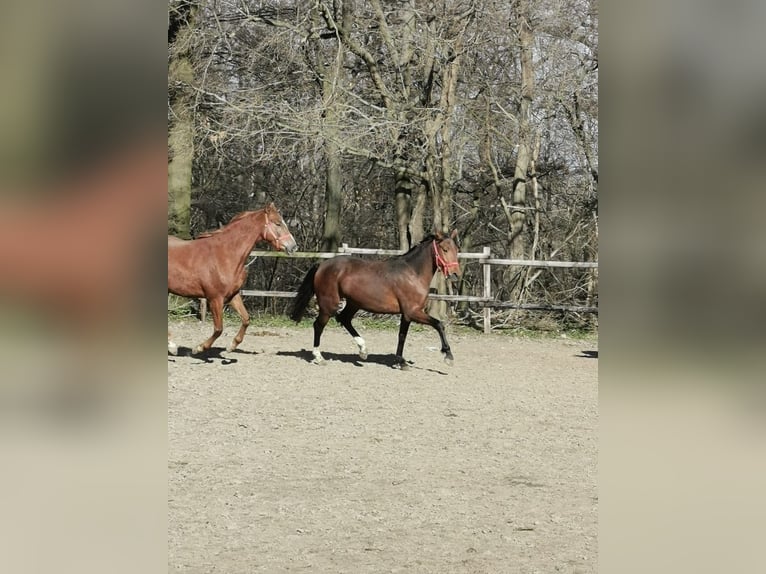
x,y
438,234
271,206
453,235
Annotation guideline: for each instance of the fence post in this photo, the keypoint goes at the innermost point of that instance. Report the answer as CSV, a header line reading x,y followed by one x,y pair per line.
x,y
202,309
487,290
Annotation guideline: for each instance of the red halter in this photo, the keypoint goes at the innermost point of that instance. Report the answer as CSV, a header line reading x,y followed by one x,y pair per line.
x,y
441,263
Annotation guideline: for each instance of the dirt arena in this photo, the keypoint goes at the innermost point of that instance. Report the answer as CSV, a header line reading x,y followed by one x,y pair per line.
x,y
278,465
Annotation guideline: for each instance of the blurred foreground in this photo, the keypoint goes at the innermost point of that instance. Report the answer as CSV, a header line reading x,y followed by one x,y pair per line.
x,y
683,306
83,172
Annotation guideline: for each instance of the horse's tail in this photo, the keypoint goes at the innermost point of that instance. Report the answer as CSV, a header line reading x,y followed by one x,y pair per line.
x,y
305,292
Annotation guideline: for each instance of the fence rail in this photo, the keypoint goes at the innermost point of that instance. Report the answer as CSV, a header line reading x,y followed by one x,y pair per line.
x,y
485,259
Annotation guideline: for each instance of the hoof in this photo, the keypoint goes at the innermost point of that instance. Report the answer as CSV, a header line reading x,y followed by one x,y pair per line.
x,y
401,365
198,350
172,349
449,359
233,345
362,348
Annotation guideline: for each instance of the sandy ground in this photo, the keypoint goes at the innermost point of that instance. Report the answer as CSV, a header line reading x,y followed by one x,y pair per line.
x,y
278,465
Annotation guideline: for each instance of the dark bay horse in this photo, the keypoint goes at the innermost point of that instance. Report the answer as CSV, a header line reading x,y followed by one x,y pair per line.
x,y
213,265
398,285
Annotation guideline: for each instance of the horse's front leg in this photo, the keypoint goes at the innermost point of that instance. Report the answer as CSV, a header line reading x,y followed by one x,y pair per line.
x,y
216,310
424,318
239,306
446,351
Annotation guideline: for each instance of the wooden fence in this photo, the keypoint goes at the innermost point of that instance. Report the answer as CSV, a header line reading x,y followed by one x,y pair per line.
x,y
485,259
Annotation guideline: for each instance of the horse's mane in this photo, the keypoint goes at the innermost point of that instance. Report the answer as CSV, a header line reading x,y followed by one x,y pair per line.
x,y
427,239
240,216
416,248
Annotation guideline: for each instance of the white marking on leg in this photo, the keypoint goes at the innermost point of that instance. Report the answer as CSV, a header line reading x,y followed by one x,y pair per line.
x,y
362,347
318,358
172,348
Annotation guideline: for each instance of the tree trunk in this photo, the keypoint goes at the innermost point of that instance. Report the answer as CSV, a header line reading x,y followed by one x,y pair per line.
x,y
417,231
519,191
181,128
447,105
333,191
329,67
333,199
410,209
403,199
181,145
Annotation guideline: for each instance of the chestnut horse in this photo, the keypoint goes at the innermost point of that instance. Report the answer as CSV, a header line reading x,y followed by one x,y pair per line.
x,y
398,285
213,266
79,248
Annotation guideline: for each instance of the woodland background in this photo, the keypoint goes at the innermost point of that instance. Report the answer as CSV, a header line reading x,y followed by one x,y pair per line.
x,y
373,123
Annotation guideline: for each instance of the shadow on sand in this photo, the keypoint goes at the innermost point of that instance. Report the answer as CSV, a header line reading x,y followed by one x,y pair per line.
x,y
353,359
212,355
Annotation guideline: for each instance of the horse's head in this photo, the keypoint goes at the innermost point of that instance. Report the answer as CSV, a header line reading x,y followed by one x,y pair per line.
x,y
445,253
275,231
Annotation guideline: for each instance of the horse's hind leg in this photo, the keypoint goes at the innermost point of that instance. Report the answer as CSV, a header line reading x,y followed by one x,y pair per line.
x,y
172,347
344,318
239,306
329,303
216,310
319,325
404,327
